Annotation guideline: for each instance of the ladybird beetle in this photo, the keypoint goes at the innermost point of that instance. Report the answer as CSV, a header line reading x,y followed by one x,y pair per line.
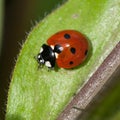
x,y
67,49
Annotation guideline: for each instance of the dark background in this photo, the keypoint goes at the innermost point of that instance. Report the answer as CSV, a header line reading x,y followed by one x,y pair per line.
x,y
19,17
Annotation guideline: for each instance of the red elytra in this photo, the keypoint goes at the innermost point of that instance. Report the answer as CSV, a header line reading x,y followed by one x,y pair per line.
x,y
74,45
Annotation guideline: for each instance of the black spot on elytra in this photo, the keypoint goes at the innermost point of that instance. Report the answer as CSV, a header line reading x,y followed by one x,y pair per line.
x,y
67,36
71,62
57,49
73,50
86,52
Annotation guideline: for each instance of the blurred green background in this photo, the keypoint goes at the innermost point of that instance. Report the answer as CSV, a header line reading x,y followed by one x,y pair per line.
x,y
17,17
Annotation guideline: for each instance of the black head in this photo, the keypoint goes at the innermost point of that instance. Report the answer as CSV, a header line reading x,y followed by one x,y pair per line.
x,y
46,56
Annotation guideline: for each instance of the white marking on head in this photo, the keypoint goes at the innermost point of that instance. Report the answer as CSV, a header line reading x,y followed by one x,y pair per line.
x,y
56,55
41,50
47,63
52,54
41,61
52,46
38,56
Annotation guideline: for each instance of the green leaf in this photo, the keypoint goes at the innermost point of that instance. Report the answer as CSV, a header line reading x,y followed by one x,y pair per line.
x,y
41,94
